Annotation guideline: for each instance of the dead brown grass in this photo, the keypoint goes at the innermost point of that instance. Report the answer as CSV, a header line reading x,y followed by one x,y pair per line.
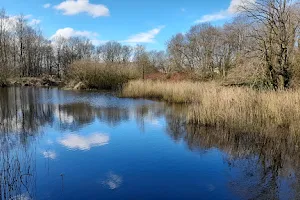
x,y
175,92
231,107
102,76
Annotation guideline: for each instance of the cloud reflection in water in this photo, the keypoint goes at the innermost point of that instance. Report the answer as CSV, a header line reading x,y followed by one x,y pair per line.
x,y
21,197
49,154
78,142
113,181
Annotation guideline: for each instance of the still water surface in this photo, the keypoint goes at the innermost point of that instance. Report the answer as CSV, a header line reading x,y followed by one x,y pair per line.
x,y
58,144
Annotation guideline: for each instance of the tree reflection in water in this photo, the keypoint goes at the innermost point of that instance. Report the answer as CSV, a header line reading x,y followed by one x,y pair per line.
x,y
17,175
260,165
17,126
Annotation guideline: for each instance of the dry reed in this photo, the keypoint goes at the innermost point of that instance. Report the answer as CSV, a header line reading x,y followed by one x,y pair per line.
x,y
102,76
231,107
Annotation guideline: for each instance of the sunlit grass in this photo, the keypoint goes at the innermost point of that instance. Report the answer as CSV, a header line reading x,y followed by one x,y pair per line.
x,y
214,105
175,92
101,76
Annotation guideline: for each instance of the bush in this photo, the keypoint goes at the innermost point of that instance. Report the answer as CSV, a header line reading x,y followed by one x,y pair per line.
x,y
102,76
3,82
5,74
248,73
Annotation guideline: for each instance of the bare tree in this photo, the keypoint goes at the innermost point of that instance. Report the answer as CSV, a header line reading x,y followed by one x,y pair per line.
x,y
4,46
110,52
159,60
142,59
126,54
274,26
178,50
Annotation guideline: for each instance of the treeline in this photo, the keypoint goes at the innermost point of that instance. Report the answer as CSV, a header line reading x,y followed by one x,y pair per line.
x,y
25,52
262,39
259,46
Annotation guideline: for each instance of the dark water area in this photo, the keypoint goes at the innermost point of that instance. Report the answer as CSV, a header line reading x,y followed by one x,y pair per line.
x,y
58,144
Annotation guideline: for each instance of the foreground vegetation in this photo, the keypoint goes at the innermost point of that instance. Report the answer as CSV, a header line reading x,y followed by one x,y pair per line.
x,y
211,104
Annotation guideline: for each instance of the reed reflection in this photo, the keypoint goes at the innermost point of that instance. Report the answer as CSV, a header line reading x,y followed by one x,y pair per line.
x,y
260,165
17,168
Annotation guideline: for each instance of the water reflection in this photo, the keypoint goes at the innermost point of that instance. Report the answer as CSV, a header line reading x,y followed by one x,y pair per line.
x,y
75,115
75,141
260,166
20,112
17,169
17,172
263,166
49,154
113,181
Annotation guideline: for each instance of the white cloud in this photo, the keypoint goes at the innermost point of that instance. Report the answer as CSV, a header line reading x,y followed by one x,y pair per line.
x,y
229,12
213,17
70,32
47,5
74,141
11,21
49,154
73,7
235,4
34,22
98,42
27,16
146,37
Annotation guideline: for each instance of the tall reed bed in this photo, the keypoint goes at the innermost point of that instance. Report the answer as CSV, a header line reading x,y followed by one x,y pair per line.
x,y
231,107
175,92
102,76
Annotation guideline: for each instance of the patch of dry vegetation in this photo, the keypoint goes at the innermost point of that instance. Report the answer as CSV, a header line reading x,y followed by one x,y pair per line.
x,y
2,82
175,92
247,109
211,104
102,76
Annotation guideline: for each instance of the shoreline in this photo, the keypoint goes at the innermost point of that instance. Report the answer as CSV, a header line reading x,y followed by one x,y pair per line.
x,y
47,81
210,104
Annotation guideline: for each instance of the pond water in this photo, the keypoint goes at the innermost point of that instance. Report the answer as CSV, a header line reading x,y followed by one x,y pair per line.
x,y
58,144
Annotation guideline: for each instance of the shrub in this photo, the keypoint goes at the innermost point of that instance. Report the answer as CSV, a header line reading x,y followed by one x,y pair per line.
x,y
247,73
4,75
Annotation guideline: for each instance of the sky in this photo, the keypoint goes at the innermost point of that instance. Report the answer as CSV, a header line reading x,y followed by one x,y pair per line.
x,y
151,23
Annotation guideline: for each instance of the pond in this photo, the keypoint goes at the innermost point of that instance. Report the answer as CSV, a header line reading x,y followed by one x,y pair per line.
x,y
57,144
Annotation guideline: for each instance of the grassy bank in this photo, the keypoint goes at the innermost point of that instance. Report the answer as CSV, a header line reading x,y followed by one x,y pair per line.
x,y
232,107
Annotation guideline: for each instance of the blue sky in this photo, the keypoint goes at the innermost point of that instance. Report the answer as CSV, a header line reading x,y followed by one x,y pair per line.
x,y
151,23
